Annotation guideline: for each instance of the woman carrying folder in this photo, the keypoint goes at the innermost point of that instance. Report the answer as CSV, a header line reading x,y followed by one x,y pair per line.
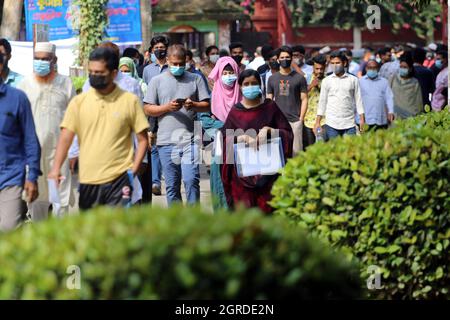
x,y
252,121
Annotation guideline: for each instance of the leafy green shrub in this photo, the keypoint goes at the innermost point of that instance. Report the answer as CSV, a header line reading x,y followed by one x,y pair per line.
x,y
382,197
78,83
177,253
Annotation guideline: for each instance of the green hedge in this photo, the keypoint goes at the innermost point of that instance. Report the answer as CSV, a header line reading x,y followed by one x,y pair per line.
x,y
383,197
171,254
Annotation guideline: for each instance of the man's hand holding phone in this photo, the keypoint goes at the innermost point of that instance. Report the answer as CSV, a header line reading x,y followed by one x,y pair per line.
x,y
174,105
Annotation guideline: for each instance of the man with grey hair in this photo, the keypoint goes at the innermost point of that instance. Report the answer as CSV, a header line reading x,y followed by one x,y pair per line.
x,y
49,94
175,97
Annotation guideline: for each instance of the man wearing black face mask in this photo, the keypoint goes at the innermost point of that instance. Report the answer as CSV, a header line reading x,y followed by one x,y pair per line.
x,y
273,67
104,119
158,49
237,53
290,91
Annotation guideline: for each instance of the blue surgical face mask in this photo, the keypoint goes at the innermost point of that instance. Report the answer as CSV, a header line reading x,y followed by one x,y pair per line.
x,y
438,63
251,92
378,60
403,72
41,67
229,79
153,57
372,74
177,71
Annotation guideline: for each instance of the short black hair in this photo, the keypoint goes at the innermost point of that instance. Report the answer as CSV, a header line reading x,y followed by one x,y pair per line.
x,y
320,59
210,48
285,49
223,53
107,55
159,39
340,55
419,55
384,51
299,48
266,51
443,53
273,53
235,45
249,73
5,44
189,54
348,53
130,52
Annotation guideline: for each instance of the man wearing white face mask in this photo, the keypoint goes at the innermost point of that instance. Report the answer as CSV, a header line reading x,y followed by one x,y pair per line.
x,y
49,94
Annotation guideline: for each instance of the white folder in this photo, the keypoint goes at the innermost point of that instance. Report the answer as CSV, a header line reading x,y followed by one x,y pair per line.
x,y
268,159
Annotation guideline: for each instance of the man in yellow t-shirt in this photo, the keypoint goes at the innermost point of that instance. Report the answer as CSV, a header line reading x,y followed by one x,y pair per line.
x,y
104,119
309,137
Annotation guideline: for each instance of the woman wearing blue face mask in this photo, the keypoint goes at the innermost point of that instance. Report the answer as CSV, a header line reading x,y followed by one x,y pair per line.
x,y
406,89
262,117
224,96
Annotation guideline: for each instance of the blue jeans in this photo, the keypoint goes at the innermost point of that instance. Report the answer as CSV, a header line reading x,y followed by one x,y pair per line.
x,y
331,133
156,167
181,163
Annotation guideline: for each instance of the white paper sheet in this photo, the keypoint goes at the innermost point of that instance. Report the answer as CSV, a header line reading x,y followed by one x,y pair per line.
x,y
267,160
137,191
53,195
217,150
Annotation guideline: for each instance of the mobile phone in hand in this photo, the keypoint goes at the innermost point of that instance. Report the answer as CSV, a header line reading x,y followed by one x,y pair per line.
x,y
180,101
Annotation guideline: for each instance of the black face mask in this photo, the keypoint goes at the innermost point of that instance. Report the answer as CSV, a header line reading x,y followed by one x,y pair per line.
x,y
274,65
160,54
238,59
98,82
285,63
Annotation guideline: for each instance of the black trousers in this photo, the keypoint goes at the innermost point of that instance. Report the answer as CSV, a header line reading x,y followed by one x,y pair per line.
x,y
375,127
308,138
146,180
115,193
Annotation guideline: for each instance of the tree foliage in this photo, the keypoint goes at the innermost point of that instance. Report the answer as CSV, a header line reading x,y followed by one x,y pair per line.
x,y
421,16
93,22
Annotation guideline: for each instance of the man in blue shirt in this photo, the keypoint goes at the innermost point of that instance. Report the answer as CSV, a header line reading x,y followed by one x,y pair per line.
x,y
377,97
9,77
19,148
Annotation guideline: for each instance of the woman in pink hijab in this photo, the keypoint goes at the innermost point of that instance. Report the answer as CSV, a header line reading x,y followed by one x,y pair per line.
x,y
224,96
226,92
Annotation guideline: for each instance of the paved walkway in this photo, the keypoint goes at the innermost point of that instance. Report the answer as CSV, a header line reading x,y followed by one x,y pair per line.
x,y
161,201
205,192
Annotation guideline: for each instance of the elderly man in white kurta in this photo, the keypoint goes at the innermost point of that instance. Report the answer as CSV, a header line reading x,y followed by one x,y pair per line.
x,y
49,94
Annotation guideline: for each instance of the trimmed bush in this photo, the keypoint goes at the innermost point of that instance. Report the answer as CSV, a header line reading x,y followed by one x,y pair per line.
x,y
382,197
178,253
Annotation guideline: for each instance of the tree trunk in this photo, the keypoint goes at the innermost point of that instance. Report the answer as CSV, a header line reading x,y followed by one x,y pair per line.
x,y
357,38
12,16
146,23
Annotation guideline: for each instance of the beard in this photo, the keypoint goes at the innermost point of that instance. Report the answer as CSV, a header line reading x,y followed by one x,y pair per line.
x,y
45,79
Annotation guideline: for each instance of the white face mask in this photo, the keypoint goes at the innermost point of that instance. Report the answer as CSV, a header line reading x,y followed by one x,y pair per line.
x,y
213,58
188,65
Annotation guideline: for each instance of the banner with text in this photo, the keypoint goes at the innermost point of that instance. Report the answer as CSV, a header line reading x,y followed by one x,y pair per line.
x,y
62,16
